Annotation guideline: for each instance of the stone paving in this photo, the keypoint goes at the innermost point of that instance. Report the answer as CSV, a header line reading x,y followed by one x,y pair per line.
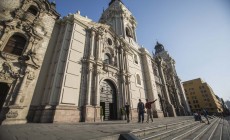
x,y
78,131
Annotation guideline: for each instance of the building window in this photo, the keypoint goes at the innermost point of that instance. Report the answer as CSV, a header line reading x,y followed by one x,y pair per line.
x,y
128,32
135,59
33,10
15,45
138,79
110,42
107,58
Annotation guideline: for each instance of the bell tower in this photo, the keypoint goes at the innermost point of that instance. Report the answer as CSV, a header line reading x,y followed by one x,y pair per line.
x,y
120,19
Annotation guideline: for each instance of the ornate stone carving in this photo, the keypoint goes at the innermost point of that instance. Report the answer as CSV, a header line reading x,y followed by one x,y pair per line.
x,y
22,99
8,72
12,114
92,34
89,70
34,59
31,75
98,72
5,76
8,56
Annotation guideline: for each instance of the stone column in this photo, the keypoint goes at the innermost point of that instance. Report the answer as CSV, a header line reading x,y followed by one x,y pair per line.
x,y
127,83
89,85
122,59
20,92
123,94
98,49
89,110
97,108
118,60
92,39
170,108
97,88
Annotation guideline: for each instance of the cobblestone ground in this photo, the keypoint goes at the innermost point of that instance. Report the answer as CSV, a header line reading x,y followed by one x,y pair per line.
x,y
78,131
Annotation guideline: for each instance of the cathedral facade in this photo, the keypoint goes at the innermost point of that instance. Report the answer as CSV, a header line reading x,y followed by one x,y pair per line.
x,y
72,69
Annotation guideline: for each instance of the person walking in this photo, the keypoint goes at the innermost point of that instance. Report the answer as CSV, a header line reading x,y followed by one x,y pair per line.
x,y
206,115
149,110
199,117
140,110
127,110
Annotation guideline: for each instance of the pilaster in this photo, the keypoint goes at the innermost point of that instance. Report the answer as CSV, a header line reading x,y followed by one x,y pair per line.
x,y
170,109
181,108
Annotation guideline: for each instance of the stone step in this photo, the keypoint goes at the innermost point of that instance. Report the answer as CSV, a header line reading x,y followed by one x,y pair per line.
x,y
151,130
178,132
166,133
226,130
205,132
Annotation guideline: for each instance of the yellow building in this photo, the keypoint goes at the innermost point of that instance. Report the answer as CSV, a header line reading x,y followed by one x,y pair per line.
x,y
201,96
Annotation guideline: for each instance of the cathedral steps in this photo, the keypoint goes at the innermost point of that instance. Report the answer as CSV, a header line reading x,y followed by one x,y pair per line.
x,y
218,129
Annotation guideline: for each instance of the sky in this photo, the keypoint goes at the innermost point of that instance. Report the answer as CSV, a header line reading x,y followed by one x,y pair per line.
x,y
196,33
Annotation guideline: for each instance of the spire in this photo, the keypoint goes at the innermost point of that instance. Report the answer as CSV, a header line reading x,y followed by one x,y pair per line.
x,y
113,1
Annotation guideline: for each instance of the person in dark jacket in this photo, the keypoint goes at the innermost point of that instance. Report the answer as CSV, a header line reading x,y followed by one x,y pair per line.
x,y
206,115
127,110
140,110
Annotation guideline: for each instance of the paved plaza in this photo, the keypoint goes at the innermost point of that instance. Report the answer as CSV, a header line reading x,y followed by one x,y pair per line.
x,y
78,131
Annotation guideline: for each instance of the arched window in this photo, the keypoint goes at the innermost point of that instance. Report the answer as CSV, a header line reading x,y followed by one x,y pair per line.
x,y
110,42
138,79
15,45
33,10
135,59
107,58
128,32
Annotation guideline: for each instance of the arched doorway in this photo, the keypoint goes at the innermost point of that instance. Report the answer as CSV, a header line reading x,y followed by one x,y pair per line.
x,y
4,88
108,100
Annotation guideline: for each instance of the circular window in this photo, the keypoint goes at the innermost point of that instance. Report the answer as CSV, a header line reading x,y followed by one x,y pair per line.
x,y
110,42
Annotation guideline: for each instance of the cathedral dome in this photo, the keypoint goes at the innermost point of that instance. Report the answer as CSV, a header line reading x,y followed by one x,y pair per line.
x,y
6,6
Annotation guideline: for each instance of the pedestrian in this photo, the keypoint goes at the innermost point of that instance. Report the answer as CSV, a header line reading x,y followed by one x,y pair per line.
x,y
206,115
199,117
140,110
149,110
127,110
196,116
